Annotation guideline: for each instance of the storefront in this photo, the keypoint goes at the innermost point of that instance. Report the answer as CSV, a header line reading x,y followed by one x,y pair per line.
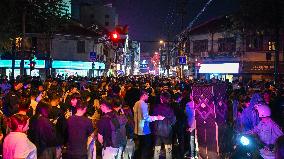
x,y
6,66
260,70
222,71
65,68
78,68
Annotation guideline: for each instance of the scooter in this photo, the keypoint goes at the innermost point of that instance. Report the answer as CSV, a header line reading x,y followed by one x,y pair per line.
x,y
246,147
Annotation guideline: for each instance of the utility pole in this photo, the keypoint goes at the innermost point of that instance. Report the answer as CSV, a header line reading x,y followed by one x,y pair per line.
x,y
13,58
23,40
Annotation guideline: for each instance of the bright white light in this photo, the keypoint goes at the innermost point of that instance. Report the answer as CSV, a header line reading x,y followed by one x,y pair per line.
x,y
244,140
219,68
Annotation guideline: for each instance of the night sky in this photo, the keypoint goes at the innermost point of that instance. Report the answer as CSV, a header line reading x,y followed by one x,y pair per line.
x,y
151,20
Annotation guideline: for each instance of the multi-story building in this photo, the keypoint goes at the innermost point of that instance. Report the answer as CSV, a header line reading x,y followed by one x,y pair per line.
x,y
223,54
132,58
66,52
94,12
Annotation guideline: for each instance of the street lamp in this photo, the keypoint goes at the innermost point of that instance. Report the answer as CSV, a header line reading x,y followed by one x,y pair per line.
x,y
161,42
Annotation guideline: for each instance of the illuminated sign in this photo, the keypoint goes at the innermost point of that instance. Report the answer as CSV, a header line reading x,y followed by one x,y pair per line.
x,y
77,65
8,63
72,65
219,68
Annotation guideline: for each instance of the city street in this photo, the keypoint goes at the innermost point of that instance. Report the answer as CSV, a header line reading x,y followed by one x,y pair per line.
x,y
132,79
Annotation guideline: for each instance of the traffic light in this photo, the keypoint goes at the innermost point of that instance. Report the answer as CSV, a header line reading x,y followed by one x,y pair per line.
x,y
32,65
114,36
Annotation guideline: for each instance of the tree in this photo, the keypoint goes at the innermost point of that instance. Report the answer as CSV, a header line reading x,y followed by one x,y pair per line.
x,y
32,16
262,16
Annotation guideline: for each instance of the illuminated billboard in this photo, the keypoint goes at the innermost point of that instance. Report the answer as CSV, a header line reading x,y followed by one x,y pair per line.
x,y
219,68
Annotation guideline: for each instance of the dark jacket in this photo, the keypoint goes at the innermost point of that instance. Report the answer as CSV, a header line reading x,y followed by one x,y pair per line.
x,y
11,101
163,127
42,133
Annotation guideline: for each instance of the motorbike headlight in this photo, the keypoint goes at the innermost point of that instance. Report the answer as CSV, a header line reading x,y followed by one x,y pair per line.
x,y
244,141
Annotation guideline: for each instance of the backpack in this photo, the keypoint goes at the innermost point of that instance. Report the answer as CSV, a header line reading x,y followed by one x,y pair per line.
x,y
118,131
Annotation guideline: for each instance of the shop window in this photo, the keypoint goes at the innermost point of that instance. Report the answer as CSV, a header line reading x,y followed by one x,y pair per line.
x,y
81,47
227,44
200,46
271,46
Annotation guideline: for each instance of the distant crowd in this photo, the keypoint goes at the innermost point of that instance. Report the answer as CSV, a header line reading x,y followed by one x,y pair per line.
x,y
127,117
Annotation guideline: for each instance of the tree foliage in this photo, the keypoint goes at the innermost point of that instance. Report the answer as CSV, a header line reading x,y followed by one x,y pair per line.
x,y
41,16
258,15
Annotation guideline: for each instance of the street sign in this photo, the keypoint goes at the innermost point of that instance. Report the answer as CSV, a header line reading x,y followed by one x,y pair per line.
x,y
182,60
93,56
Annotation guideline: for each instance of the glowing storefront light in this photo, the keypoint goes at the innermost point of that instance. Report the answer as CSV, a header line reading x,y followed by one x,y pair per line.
x,y
219,68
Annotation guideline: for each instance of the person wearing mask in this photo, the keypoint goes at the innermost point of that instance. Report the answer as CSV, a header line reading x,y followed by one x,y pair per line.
x,y
142,120
163,129
42,133
79,128
16,143
109,134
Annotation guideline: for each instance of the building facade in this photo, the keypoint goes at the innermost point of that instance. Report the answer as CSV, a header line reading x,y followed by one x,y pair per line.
x,y
250,55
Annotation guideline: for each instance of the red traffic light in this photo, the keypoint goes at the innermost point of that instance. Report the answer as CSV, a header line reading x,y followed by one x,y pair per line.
x,y
114,36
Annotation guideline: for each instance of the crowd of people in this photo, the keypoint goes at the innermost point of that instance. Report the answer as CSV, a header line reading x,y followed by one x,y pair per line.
x,y
126,117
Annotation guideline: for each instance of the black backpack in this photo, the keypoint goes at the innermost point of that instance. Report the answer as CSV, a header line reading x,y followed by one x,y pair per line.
x,y
118,131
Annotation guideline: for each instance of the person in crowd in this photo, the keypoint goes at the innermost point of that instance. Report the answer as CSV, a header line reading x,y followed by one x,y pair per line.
x,y
109,134
24,107
142,127
5,87
128,152
16,143
117,107
59,122
42,132
249,117
267,130
191,125
11,100
33,105
131,95
180,125
163,128
79,128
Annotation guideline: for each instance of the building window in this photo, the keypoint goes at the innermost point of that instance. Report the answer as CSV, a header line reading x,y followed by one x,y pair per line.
x,y
106,16
271,46
227,44
200,46
106,23
254,43
81,47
